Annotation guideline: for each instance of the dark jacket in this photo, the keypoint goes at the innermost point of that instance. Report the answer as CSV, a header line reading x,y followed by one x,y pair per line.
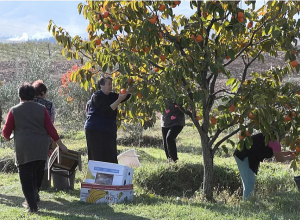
x,y
172,116
100,116
48,105
257,153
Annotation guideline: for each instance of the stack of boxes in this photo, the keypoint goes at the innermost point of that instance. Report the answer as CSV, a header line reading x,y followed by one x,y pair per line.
x,y
107,183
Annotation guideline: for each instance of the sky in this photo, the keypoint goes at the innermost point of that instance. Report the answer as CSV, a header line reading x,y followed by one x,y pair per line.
x,y
23,20
26,20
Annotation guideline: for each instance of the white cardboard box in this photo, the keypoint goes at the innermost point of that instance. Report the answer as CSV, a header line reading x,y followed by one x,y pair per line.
x,y
104,173
94,193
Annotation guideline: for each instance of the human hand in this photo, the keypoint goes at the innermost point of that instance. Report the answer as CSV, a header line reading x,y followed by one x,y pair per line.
x,y
122,96
63,148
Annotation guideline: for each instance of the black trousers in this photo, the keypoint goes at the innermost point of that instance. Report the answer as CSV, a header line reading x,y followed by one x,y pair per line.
x,y
169,136
102,146
31,176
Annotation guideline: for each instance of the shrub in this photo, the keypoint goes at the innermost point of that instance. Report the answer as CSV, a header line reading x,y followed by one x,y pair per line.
x,y
69,101
183,179
273,177
144,141
7,165
71,111
133,136
35,68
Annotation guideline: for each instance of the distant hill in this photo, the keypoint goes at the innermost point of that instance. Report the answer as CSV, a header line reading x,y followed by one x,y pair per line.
x,y
12,52
19,53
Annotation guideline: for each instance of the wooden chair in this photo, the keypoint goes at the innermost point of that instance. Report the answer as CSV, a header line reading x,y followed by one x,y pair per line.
x,y
64,161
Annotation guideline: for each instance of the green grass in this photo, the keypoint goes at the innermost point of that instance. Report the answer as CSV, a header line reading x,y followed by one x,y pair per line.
x,y
275,195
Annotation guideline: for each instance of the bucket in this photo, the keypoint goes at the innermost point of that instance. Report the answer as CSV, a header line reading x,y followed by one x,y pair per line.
x,y
62,182
45,183
297,181
129,158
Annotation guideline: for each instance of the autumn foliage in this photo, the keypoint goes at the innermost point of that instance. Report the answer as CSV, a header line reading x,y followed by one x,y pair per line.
x,y
188,59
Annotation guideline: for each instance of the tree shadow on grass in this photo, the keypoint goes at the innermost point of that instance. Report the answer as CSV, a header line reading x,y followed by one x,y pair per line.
x,y
63,209
287,204
143,156
189,149
144,142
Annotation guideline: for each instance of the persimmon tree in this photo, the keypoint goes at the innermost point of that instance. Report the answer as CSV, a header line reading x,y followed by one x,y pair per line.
x,y
164,55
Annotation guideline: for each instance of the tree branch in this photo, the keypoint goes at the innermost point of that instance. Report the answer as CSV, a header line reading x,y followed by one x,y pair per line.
x,y
252,37
224,139
223,90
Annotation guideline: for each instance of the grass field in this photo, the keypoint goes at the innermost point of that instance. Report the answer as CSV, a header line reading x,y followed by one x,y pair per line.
x,y
280,203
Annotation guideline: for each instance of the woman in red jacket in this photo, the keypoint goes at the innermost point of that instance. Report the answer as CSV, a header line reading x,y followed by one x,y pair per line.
x,y
32,127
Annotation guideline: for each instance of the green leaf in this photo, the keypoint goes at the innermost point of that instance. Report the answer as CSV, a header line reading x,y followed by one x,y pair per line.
x,y
222,107
85,85
127,29
236,86
216,27
275,33
49,25
294,165
230,81
122,69
268,28
231,54
261,58
76,55
240,145
225,149
104,68
232,143
214,68
69,55
79,7
287,56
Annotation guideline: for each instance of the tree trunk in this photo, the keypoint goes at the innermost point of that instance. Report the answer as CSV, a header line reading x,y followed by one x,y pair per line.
x,y
208,170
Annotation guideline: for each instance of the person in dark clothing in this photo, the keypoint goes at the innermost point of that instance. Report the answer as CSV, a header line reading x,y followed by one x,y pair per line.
x,y
172,123
32,127
100,126
248,160
40,94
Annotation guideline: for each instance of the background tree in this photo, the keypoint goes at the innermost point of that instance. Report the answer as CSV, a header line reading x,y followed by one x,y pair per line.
x,y
163,55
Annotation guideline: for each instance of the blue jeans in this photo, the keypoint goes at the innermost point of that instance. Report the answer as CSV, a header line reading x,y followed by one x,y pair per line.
x,y
247,175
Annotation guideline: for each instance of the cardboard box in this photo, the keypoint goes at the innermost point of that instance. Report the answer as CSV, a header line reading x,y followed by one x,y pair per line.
x,y
108,173
94,193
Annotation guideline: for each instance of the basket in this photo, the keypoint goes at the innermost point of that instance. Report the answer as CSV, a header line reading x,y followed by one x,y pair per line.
x,y
62,180
129,158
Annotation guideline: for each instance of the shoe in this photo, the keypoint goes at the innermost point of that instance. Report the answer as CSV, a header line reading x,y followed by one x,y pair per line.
x,y
25,204
37,197
170,160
